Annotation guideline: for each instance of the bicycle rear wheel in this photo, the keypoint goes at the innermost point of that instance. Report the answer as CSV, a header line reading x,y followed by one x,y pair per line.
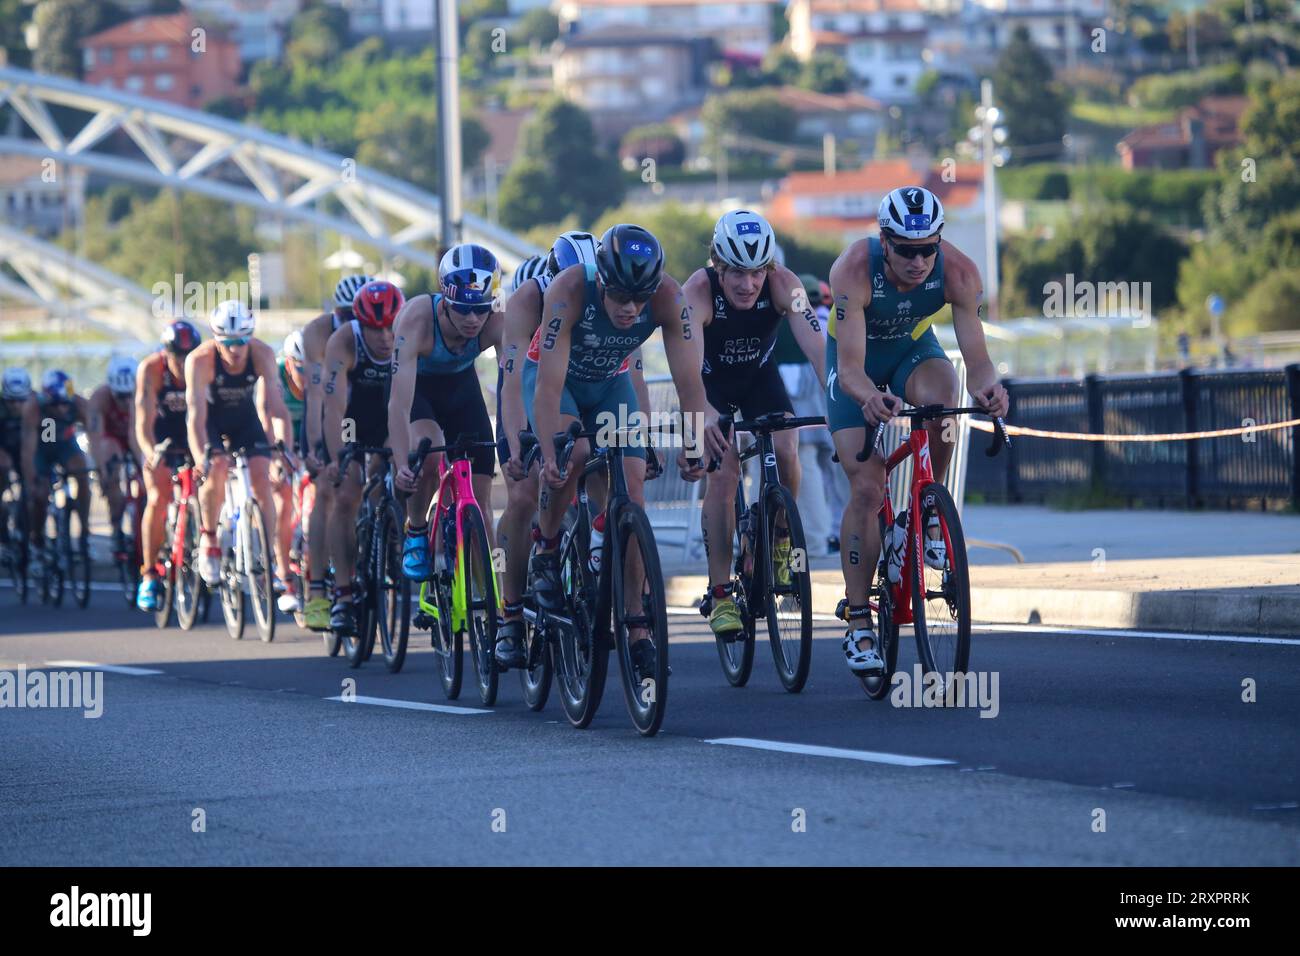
x,y
737,656
788,586
632,608
580,655
261,588
189,586
76,555
392,607
19,551
480,596
356,644
233,605
941,598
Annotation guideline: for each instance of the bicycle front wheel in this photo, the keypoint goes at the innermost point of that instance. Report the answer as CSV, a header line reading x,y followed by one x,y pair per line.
x,y
128,567
737,655
356,644
162,616
448,643
479,593
941,596
232,591
788,586
261,588
19,553
76,555
189,586
877,686
392,606
638,608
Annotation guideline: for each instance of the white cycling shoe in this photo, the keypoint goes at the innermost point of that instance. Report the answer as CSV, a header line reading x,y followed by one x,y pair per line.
x,y
936,551
210,566
862,662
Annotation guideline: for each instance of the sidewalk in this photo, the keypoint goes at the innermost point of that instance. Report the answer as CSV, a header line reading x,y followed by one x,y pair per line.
x,y
1218,572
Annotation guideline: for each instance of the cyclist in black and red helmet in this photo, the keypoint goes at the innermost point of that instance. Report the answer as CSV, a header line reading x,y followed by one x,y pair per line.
x,y
160,417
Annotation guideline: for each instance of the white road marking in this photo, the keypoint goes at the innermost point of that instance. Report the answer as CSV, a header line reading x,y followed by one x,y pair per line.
x,y
870,756
1155,635
107,668
411,705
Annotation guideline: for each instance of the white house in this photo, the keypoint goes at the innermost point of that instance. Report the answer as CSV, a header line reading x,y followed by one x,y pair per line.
x,y
257,26
738,26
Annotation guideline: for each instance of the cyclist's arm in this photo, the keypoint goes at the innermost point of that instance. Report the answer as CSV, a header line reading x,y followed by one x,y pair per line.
x,y
791,300
31,432
412,337
670,312
272,405
313,349
964,290
699,298
94,424
146,407
560,309
851,295
520,323
636,368
339,359
198,376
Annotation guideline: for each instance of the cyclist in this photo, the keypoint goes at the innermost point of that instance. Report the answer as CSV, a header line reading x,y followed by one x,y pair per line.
x,y
222,379
596,316
315,335
50,438
160,417
293,388
534,267
112,438
15,397
434,386
740,299
523,323
358,363
886,291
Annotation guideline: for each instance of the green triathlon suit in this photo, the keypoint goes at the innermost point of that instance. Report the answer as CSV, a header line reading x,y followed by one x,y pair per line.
x,y
899,338
597,350
297,407
64,446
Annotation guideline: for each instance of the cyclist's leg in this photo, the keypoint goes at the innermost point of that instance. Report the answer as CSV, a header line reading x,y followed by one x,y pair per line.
x,y
110,483
553,502
926,377
158,495
282,493
766,393
718,513
75,463
343,532
318,531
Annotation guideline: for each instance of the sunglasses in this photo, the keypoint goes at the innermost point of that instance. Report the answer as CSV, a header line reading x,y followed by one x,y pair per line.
x,y
242,340
464,308
619,297
911,252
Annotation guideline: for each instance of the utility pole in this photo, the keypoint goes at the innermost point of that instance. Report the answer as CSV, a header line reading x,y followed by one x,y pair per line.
x,y
448,54
989,117
828,153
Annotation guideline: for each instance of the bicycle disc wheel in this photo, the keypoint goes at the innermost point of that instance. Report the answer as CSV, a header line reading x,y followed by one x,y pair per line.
x,y
479,590
877,686
448,643
232,593
580,654
189,586
788,587
941,597
737,656
76,556
636,608
392,607
261,589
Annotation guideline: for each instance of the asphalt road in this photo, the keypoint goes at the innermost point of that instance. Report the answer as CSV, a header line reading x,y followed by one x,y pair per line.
x,y
1152,733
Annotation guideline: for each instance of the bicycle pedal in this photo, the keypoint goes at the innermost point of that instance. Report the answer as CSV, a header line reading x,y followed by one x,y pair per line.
x,y
423,620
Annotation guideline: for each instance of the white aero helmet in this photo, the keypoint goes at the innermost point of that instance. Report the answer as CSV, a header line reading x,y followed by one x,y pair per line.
x,y
744,239
231,319
292,347
911,212
347,290
121,375
17,384
530,268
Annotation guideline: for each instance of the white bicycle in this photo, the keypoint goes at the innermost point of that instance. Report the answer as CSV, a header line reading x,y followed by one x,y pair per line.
x,y
246,563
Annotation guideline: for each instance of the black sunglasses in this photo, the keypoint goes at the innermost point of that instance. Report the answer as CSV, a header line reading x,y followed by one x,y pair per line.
x,y
619,297
911,252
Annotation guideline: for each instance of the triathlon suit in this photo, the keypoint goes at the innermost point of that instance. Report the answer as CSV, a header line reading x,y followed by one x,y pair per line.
x,y
170,419
64,447
899,337
370,381
598,352
322,450
232,409
447,392
534,347
11,433
737,346
297,407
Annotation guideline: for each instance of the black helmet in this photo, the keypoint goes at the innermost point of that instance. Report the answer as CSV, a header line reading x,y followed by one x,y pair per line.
x,y
181,337
630,260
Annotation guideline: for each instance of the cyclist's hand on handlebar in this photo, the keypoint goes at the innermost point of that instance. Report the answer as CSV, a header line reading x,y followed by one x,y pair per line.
x,y
715,443
879,407
514,468
692,469
653,466
405,479
331,472
551,474
994,400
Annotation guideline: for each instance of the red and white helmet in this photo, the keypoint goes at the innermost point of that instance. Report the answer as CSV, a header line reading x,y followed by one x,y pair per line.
x,y
377,303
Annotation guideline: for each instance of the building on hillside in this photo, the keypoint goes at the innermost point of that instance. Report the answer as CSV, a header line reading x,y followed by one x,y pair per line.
x,y
258,26
156,57
40,197
1062,29
844,206
740,26
397,20
626,78
1191,141
881,41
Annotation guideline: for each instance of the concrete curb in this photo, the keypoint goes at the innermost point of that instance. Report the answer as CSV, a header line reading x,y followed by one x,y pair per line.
x,y
1199,611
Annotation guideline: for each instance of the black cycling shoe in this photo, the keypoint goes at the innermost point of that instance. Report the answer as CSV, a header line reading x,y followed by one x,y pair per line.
x,y
342,620
645,659
544,580
510,641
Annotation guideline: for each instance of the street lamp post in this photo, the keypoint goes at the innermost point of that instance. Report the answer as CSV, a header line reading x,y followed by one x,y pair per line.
x,y
449,121
990,136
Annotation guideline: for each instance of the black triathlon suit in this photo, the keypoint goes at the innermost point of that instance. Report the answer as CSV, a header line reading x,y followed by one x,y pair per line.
x,y
232,409
737,346
370,382
170,419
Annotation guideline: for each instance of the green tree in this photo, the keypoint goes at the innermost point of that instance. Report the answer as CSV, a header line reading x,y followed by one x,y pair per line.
x,y
62,25
403,140
318,34
825,73
538,24
658,141
781,67
13,19
757,113
1033,104
1271,124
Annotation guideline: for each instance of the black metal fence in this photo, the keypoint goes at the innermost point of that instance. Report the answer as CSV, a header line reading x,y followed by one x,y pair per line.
x,y
1252,469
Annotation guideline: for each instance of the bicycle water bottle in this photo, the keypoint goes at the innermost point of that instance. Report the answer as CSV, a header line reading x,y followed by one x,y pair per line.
x,y
597,543
897,547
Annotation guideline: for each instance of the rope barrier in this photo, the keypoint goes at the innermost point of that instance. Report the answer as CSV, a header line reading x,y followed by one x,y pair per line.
x,y
1174,436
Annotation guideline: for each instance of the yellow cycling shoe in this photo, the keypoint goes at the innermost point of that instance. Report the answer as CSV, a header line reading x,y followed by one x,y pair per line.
x,y
781,560
316,615
725,620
